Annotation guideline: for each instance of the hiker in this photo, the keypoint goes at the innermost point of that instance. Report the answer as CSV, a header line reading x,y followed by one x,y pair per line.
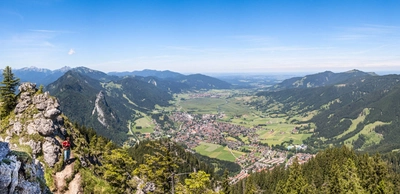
x,y
67,149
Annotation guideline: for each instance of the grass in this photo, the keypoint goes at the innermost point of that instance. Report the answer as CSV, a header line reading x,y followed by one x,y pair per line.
x,y
217,151
368,131
355,122
280,133
93,184
146,124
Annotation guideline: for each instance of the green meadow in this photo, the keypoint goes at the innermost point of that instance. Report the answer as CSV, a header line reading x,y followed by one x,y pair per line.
x,y
217,151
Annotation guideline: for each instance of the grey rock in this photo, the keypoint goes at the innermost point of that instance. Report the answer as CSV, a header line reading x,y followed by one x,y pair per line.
x,y
40,101
21,107
17,128
26,187
5,177
51,149
42,126
14,176
4,150
52,113
27,86
35,146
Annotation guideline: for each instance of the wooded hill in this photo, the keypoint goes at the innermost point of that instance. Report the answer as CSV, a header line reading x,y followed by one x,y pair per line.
x,y
373,100
320,79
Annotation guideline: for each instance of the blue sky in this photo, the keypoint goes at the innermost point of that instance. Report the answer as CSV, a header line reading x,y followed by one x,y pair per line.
x,y
202,36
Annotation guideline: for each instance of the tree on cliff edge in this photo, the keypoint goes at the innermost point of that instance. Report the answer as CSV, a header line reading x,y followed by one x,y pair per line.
x,y
7,91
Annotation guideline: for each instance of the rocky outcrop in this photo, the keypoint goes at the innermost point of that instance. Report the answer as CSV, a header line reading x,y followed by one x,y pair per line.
x,y
51,149
97,108
37,114
18,175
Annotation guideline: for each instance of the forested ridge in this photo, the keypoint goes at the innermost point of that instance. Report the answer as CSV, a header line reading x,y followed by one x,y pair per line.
x,y
320,79
334,170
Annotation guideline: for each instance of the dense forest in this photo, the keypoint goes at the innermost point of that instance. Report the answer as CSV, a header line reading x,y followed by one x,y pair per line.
x,y
335,170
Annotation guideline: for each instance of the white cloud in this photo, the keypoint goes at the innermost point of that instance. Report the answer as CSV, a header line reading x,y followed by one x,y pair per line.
x,y
71,52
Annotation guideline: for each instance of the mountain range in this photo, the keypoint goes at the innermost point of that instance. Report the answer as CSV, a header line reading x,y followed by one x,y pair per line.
x,y
42,76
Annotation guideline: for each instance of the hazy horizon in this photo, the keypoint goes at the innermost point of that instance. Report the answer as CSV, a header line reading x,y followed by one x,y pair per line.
x,y
202,36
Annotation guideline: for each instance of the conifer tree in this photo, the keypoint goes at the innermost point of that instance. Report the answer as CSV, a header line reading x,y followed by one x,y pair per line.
x,y
7,91
225,182
296,182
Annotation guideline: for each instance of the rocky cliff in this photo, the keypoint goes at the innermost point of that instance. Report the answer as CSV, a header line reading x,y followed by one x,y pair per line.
x,y
19,173
30,141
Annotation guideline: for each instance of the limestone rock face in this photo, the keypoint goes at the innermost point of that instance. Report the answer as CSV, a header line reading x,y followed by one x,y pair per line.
x,y
38,113
51,151
18,176
35,146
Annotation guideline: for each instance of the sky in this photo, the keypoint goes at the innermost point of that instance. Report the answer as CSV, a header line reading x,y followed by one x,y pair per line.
x,y
202,36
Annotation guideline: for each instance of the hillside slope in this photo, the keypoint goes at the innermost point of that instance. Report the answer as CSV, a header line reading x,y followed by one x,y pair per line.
x,y
348,110
320,79
106,106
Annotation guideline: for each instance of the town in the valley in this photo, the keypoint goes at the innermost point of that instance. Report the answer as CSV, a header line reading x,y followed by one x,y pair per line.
x,y
227,141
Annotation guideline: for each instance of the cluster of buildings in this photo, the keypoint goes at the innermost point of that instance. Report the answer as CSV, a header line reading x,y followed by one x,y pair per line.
x,y
194,129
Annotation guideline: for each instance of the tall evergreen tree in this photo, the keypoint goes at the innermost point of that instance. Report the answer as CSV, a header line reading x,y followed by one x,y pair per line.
x,y
7,91
225,182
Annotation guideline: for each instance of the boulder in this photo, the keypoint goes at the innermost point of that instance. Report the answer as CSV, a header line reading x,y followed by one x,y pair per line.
x,y
51,149
21,107
17,128
42,126
35,146
52,113
27,86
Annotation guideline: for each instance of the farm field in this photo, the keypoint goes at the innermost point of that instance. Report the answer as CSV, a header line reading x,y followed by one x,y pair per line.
x,y
217,151
146,124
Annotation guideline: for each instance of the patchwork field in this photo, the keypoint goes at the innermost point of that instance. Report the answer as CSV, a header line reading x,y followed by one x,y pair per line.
x,y
277,133
146,124
217,151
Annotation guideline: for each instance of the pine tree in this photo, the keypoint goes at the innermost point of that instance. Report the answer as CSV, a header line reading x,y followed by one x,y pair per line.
x,y
7,91
296,182
118,170
198,182
225,182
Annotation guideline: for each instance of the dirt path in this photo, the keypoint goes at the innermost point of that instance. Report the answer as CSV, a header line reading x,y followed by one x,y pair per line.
x,y
74,186
61,177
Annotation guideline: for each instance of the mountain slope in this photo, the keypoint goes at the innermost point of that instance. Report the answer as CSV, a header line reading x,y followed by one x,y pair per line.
x,y
320,79
106,106
365,107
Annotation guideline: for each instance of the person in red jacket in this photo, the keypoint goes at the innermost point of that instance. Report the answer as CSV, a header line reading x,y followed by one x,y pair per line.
x,y
67,149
